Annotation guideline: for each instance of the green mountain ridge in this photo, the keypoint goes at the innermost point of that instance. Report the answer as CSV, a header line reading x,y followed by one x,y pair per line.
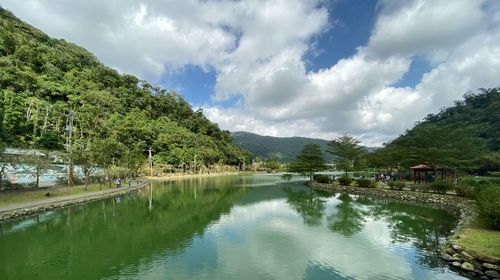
x,y
283,149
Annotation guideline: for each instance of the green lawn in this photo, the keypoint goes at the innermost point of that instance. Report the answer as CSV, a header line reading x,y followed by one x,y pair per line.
x,y
484,241
8,198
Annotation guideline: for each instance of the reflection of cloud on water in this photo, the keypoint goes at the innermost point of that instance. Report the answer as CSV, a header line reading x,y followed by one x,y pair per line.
x,y
269,240
283,247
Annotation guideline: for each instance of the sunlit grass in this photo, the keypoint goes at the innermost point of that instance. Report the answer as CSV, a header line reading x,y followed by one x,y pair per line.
x,y
9,198
484,241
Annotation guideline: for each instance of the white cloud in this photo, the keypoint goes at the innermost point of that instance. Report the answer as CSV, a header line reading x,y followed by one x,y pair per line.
x,y
257,49
356,94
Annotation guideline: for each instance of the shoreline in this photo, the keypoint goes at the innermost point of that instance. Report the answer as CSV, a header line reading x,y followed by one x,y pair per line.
x,y
20,210
468,263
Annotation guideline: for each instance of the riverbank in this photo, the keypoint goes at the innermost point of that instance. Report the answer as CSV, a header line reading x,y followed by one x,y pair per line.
x,y
482,261
34,207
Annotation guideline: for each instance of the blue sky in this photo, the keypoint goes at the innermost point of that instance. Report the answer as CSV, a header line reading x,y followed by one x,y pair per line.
x,y
314,68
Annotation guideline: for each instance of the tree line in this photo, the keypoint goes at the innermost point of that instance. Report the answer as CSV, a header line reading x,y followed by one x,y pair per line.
x,y
464,138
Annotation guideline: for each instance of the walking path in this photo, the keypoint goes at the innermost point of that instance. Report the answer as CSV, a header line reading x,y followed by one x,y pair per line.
x,y
32,207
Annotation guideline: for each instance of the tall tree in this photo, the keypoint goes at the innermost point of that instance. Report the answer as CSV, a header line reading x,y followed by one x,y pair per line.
x,y
347,151
308,161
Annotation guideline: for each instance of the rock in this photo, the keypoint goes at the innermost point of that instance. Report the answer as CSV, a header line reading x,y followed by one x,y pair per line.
x,y
466,256
492,274
467,266
456,257
479,272
484,277
488,259
450,251
446,257
457,248
490,266
456,264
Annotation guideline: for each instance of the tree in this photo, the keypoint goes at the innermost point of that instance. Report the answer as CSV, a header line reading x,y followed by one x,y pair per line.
x,y
347,151
84,156
308,161
107,153
38,162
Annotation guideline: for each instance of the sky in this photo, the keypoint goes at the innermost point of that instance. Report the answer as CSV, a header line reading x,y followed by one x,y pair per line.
x,y
313,68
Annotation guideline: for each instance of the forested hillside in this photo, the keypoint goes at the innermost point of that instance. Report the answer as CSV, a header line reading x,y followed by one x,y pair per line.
x,y
44,82
283,149
466,135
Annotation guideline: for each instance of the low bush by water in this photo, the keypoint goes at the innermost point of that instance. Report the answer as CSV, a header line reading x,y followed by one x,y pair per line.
x,y
365,183
322,178
398,185
344,181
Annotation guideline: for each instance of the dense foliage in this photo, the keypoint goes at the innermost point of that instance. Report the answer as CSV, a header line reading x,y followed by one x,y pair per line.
x,y
365,183
488,204
323,178
348,153
396,185
308,161
116,117
344,180
441,186
463,137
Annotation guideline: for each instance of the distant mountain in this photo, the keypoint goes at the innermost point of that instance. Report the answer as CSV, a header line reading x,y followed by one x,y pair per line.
x,y
284,149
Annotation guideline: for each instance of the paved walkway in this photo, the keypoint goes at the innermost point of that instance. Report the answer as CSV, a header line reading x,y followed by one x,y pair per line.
x,y
68,198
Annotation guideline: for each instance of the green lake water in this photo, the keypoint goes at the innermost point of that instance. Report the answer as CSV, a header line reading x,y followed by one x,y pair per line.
x,y
231,227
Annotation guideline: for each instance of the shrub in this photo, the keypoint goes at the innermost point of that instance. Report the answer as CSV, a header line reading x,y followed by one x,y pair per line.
x,y
344,181
488,204
413,188
466,191
365,183
322,178
396,185
441,186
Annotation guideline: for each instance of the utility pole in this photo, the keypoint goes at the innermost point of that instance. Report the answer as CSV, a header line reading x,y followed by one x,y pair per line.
x,y
150,161
69,128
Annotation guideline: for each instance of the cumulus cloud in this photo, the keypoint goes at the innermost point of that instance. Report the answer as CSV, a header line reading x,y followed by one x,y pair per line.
x,y
356,94
257,48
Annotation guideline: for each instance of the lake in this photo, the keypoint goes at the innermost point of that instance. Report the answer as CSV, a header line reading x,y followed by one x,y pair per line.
x,y
229,227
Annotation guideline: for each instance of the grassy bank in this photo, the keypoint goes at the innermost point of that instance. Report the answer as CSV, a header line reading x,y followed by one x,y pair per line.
x,y
480,240
15,197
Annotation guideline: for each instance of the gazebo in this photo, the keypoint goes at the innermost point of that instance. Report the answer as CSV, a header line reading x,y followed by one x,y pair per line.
x,y
427,172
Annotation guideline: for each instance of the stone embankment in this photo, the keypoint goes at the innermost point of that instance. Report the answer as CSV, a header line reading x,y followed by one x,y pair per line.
x,y
28,209
468,263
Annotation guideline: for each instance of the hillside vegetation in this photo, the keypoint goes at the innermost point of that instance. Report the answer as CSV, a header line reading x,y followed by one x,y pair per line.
x,y
283,149
115,116
465,137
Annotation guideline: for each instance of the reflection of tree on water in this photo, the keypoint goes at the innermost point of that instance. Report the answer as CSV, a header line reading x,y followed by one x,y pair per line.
x,y
421,226
349,218
307,204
